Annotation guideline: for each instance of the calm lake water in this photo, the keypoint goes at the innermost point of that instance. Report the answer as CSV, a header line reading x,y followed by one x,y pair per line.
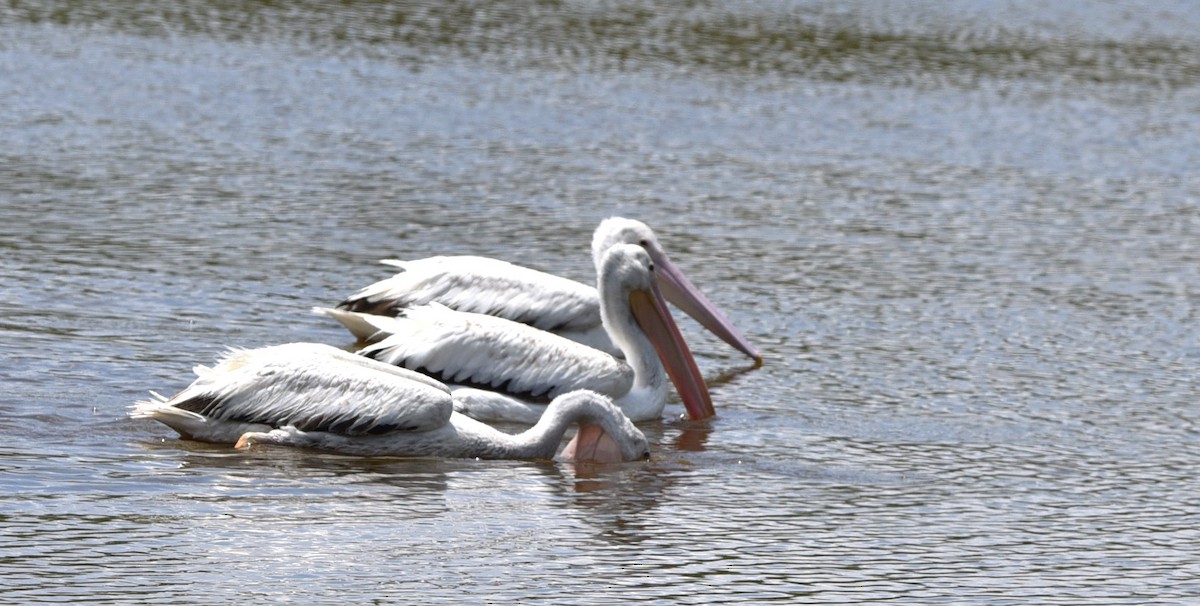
x,y
965,235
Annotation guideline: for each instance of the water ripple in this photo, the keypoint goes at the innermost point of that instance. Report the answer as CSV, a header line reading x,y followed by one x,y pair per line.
x,y
963,241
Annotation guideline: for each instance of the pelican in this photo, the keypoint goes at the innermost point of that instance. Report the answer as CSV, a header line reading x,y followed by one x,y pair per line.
x,y
317,396
546,301
505,370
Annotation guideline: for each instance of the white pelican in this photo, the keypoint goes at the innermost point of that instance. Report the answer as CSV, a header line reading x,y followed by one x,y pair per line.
x,y
549,302
505,370
318,396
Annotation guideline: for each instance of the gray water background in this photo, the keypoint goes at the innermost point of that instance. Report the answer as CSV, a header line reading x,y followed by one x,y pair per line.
x,y
965,235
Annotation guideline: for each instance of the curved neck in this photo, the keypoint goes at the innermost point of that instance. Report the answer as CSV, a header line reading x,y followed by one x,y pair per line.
x,y
541,441
631,340
648,393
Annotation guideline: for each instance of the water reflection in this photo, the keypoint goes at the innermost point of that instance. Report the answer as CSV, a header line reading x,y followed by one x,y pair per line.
x,y
691,435
264,474
281,485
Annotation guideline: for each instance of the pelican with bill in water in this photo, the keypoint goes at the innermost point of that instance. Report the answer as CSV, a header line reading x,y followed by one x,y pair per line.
x,y
317,396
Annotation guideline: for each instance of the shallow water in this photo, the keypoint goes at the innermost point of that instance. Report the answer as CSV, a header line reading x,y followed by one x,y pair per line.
x,y
964,235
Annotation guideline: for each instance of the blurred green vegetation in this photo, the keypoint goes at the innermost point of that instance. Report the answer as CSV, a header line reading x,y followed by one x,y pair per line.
x,y
720,37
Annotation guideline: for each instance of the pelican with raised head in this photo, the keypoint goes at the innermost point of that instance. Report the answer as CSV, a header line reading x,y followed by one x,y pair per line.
x,y
549,302
317,396
504,370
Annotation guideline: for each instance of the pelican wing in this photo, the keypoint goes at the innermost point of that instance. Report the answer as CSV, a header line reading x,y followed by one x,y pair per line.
x,y
482,285
314,388
493,353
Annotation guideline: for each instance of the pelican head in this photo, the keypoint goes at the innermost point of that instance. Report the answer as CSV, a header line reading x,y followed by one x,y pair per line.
x,y
629,268
605,434
676,287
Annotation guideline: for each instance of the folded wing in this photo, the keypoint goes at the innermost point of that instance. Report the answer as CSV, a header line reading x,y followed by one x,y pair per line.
x,y
313,388
493,353
482,285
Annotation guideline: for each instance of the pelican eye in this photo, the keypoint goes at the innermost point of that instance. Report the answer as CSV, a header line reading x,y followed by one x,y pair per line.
x,y
644,243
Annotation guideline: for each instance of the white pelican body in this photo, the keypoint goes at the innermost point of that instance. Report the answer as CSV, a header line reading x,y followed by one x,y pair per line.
x,y
318,396
549,302
505,370
489,286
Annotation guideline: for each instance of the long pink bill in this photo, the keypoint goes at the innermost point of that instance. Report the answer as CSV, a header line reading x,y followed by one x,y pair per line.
x,y
679,290
650,311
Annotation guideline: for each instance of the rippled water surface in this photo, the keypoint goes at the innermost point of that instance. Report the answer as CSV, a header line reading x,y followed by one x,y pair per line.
x,y
966,236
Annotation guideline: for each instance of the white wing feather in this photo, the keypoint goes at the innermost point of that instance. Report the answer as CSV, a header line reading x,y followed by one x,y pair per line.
x,y
314,388
486,351
483,285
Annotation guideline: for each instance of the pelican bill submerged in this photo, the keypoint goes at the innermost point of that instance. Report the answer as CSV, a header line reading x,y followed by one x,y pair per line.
x,y
318,396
